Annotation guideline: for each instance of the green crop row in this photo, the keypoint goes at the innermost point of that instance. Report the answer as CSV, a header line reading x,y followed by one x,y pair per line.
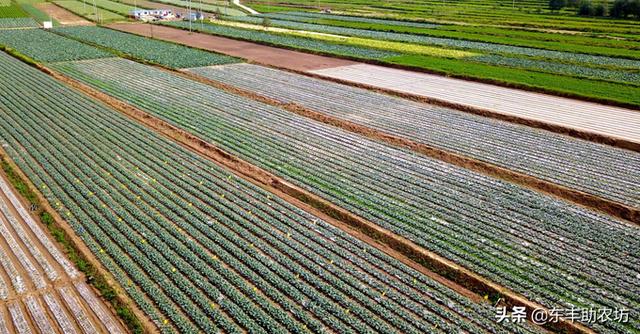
x,y
88,11
440,207
45,46
199,249
147,49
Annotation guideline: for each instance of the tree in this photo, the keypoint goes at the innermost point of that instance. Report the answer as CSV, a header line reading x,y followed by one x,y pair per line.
x,y
618,9
600,10
625,8
557,4
585,8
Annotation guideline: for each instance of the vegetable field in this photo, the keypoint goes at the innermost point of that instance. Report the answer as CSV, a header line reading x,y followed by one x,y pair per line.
x,y
45,46
552,252
115,7
597,169
40,289
590,76
18,22
290,41
156,51
204,6
199,249
86,10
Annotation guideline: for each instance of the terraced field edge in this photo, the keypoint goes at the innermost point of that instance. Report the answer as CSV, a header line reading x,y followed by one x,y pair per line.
x,y
74,250
307,201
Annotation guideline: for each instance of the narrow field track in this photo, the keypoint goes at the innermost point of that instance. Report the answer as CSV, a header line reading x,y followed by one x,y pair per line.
x,y
40,289
199,249
550,251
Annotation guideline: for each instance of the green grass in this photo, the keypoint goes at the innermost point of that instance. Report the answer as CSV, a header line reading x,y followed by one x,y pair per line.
x,y
115,7
530,13
563,85
86,10
11,11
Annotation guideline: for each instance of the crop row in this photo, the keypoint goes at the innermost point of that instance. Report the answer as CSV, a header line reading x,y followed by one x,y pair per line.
x,y
564,69
363,19
357,41
112,6
33,268
45,46
297,22
17,22
87,10
212,251
577,164
160,52
197,6
12,10
295,42
551,251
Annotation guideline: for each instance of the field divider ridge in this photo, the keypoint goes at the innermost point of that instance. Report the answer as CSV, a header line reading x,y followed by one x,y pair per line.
x,y
585,199
77,244
564,130
450,273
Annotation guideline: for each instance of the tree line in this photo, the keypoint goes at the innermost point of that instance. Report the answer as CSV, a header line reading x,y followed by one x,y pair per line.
x,y
617,9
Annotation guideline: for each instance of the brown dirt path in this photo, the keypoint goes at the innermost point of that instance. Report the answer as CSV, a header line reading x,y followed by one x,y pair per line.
x,y
263,54
63,16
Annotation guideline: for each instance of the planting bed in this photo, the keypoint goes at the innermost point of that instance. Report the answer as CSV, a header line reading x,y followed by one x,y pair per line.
x,y
553,252
199,249
160,52
573,163
40,289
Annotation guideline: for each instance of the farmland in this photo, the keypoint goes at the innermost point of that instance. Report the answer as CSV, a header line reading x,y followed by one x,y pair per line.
x,y
37,279
87,11
171,226
593,72
379,167
438,206
536,153
48,47
527,14
147,49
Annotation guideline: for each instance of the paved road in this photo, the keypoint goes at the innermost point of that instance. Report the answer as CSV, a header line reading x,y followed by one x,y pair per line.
x,y
586,116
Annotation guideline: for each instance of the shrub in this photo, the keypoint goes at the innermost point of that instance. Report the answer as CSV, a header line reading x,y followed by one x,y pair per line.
x,y
557,4
585,8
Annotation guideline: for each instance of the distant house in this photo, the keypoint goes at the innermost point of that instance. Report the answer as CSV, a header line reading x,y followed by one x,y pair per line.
x,y
145,14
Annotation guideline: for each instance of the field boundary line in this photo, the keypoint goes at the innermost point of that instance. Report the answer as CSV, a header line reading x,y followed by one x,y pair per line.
x,y
590,201
377,237
76,243
495,82
564,130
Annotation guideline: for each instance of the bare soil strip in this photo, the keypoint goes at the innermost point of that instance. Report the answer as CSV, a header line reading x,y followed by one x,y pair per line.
x,y
34,262
63,16
307,64
66,281
588,200
433,264
255,52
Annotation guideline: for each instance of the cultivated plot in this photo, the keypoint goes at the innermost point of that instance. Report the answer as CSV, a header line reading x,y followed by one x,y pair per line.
x,y
577,164
199,249
551,251
40,289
